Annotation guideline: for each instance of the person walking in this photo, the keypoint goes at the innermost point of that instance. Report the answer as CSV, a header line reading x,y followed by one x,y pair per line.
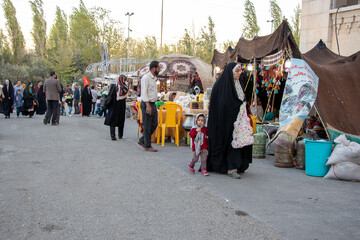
x,y
37,87
41,99
116,103
18,102
76,99
53,90
29,100
94,98
147,105
8,98
230,133
69,101
104,95
17,87
86,101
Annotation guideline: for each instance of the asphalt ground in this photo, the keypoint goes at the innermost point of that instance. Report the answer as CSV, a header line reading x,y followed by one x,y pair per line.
x,y
72,182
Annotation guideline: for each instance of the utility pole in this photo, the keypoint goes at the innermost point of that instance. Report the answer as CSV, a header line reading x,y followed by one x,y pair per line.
x,y
272,24
128,40
162,7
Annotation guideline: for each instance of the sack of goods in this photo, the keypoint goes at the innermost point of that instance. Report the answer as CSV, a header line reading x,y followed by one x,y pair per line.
x,y
344,160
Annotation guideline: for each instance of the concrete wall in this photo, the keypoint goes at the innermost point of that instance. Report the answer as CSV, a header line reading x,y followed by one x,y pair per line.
x,y
318,22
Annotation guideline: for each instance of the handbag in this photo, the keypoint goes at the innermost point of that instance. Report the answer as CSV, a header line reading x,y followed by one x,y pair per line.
x,y
243,130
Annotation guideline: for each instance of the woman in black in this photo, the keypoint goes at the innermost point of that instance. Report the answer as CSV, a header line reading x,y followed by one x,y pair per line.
x,y
29,100
41,109
86,101
227,101
7,98
116,103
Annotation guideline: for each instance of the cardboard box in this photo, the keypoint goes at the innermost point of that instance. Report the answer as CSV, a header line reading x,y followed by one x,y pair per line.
x,y
194,105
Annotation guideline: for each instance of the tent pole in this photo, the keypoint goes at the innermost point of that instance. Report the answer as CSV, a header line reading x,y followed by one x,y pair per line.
x,y
326,130
254,90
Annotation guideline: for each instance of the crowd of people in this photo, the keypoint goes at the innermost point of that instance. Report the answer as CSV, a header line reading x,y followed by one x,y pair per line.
x,y
224,145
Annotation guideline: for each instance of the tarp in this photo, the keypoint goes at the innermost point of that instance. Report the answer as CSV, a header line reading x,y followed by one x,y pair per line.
x,y
259,47
339,88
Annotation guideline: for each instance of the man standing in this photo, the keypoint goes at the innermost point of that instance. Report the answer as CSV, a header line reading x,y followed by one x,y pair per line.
x,y
148,107
76,99
17,87
94,98
53,90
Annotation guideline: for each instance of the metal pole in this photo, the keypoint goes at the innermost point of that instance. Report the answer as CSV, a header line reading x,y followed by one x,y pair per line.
x,y
162,7
255,95
128,40
336,35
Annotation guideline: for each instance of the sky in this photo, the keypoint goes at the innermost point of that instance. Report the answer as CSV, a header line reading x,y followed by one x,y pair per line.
x,y
146,21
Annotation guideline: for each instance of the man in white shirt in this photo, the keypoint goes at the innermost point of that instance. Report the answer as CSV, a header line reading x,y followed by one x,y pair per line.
x,y
148,107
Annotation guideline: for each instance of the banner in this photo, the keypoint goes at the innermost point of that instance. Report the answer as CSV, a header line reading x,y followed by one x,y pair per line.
x,y
299,97
86,81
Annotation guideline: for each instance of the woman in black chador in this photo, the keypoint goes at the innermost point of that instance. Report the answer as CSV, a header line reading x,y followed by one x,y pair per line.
x,y
41,109
116,103
86,101
29,100
7,98
228,152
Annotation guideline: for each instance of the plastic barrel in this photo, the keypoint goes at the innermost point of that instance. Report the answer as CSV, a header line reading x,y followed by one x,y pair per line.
x,y
316,155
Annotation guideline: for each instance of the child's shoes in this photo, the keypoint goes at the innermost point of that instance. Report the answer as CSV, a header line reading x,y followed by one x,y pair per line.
x,y
191,169
204,172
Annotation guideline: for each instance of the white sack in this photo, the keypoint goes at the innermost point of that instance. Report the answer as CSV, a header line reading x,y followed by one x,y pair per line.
x,y
345,151
344,171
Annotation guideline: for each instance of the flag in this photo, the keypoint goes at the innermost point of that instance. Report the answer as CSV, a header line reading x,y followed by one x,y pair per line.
x,y
86,81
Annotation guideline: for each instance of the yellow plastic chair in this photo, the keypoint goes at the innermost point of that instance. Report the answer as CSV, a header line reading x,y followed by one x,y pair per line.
x,y
170,121
138,116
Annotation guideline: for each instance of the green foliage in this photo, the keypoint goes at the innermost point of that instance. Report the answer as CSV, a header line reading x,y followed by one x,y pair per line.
x,y
276,14
84,36
296,24
39,28
5,52
14,31
206,42
59,52
228,44
187,44
251,27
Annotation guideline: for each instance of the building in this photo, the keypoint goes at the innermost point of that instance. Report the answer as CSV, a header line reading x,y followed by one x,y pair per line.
x,y
318,22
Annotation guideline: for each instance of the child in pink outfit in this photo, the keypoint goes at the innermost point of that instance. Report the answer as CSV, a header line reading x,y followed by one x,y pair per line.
x,y
199,135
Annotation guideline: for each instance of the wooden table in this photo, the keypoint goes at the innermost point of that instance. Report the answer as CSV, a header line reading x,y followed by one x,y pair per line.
x,y
195,111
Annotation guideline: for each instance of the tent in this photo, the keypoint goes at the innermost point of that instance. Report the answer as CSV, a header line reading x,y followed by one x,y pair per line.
x,y
259,47
339,88
179,69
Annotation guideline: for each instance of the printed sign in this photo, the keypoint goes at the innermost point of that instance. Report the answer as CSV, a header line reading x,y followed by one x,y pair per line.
x,y
299,97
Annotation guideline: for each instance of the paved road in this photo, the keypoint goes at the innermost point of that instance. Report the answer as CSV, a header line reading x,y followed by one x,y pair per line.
x,y
72,182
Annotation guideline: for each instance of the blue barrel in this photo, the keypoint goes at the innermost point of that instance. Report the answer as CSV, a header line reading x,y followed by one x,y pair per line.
x,y
316,156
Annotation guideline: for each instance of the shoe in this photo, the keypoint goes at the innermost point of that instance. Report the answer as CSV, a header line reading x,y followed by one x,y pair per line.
x,y
69,115
204,172
191,169
141,144
88,115
113,138
151,149
54,124
5,117
235,175
44,121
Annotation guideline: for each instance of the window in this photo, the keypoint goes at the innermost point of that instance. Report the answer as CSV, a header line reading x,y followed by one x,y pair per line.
x,y
343,3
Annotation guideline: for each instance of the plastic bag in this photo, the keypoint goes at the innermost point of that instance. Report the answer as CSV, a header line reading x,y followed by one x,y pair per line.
x,y
344,171
345,151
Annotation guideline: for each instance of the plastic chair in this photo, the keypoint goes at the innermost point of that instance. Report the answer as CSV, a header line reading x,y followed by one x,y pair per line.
x,y
170,121
137,104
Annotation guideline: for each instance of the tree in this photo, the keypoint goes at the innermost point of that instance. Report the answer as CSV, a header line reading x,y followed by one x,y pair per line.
x,y
39,28
110,31
276,14
206,41
84,36
187,44
59,52
5,52
228,44
14,31
296,23
251,27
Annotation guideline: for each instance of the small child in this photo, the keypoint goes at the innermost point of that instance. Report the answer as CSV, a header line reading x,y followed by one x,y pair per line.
x,y
199,135
98,105
69,101
18,101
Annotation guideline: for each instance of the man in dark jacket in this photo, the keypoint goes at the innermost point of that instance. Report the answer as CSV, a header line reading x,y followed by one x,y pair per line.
x,y
76,99
52,89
